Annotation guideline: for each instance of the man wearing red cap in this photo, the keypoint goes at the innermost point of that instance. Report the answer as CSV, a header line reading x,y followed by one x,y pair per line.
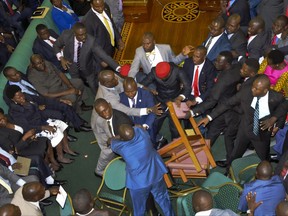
x,y
171,85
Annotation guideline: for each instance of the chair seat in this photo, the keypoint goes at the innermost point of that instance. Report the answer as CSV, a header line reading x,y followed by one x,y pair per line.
x,y
111,197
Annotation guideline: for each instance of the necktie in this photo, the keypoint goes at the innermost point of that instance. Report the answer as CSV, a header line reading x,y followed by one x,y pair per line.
x,y
6,185
29,88
52,41
109,30
274,40
195,82
109,127
209,43
227,8
78,55
133,103
9,7
256,118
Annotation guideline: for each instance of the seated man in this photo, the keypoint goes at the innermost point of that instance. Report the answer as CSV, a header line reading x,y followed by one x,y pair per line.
x,y
136,97
83,204
202,202
51,82
144,169
269,189
28,196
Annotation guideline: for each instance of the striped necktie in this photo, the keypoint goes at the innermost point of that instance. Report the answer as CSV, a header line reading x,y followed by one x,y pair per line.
x,y
256,118
78,54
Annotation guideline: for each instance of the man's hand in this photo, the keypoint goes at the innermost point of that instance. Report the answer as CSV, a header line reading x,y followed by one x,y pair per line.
x,y
252,205
178,101
10,48
153,91
29,134
16,166
50,129
54,190
191,103
268,123
157,109
104,64
203,122
274,131
65,63
68,102
42,107
187,49
121,45
74,91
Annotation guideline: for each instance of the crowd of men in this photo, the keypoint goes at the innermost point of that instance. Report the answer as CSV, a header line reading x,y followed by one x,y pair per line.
x,y
220,81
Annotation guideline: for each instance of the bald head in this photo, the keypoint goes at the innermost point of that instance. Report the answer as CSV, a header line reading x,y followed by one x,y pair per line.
x,y
264,80
10,210
108,79
264,170
126,132
202,201
33,191
282,209
83,201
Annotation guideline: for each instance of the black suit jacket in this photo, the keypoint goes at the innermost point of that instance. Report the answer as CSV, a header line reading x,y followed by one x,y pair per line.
x,y
224,88
239,43
45,50
257,47
96,28
240,7
206,79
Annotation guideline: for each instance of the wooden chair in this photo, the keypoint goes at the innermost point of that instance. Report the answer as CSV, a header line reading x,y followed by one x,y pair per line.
x,y
188,156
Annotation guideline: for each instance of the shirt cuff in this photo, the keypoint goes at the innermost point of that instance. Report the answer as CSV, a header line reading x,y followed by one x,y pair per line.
x,y
209,117
198,100
59,55
20,182
143,111
192,113
118,69
183,96
145,125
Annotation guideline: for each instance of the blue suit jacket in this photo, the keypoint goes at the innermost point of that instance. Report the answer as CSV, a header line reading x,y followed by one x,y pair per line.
x,y
62,19
222,44
144,166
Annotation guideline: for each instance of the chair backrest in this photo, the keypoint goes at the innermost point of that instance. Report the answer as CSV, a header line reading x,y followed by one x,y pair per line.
x,y
115,175
214,180
67,210
228,196
242,170
184,203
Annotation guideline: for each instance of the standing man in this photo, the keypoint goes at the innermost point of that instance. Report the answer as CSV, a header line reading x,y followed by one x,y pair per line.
x,y
80,55
144,169
201,73
100,25
150,54
116,8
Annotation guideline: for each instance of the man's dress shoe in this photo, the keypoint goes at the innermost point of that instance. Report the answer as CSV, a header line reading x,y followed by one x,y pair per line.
x,y
222,164
85,107
83,128
71,138
161,143
74,153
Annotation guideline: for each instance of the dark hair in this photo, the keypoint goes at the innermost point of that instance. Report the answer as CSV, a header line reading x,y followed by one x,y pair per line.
x,y
6,69
228,56
11,90
253,64
1,111
40,27
276,56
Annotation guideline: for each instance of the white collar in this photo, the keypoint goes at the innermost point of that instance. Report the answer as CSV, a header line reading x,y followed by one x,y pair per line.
x,y
86,213
203,213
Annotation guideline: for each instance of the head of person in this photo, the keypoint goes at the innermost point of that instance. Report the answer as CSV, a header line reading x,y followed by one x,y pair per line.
x,y
264,170
42,32
261,86
223,60
80,32
12,74
103,108
280,24
275,58
126,132
14,93
37,62
199,55
33,191
249,68
125,70
83,201
217,26
163,70
233,23
98,5
10,210
130,87
57,3
148,42
282,209
256,26
108,79
202,201
3,118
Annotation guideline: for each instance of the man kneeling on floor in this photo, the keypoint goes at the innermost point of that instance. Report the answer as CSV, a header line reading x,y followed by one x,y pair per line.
x,y
144,169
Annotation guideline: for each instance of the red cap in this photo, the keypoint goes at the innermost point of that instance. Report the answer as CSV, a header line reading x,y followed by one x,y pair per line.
x,y
162,69
125,70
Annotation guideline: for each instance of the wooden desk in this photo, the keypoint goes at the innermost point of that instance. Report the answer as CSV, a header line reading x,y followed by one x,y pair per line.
x,y
137,10
209,5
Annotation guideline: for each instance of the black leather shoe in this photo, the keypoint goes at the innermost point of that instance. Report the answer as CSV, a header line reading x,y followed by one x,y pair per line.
x,y
71,138
74,155
46,202
83,128
222,164
85,107
161,143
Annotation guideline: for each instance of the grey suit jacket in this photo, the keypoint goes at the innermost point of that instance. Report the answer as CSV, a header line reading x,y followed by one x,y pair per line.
x,y
90,51
220,212
140,60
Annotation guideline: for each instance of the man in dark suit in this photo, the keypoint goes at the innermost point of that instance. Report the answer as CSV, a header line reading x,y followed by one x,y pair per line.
x,y
236,37
135,97
258,104
201,73
224,88
258,40
99,23
43,44
217,40
81,54
241,7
